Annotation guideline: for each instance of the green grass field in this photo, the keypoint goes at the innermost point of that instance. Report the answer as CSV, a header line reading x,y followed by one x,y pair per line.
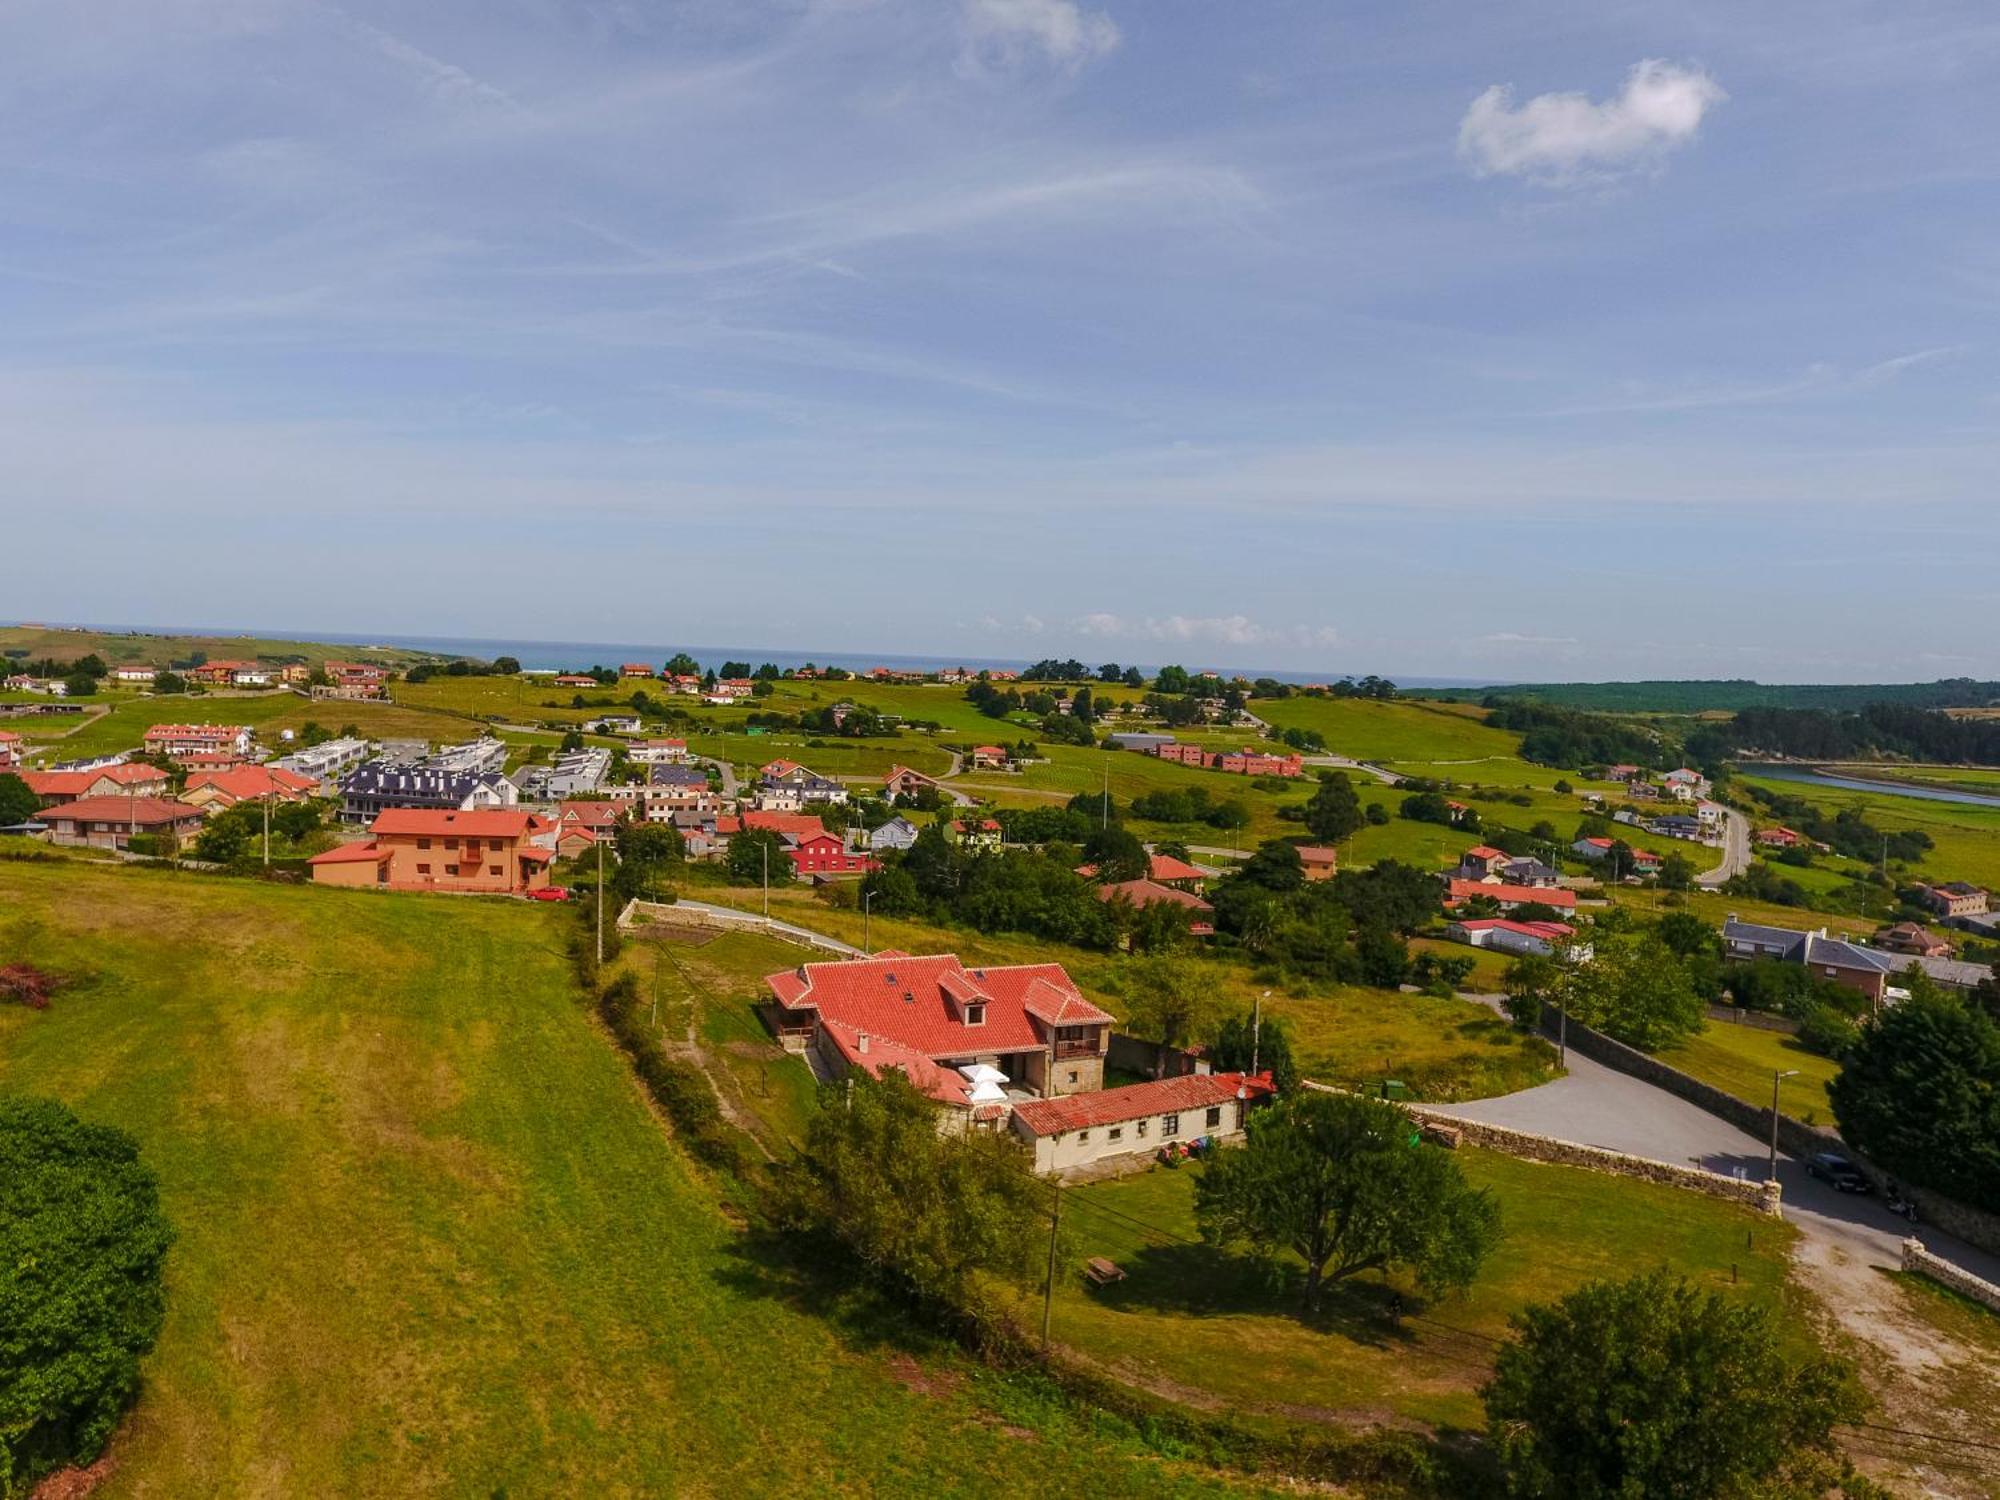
x,y
125,725
432,1241
1740,1060
1967,836
1190,1317
120,648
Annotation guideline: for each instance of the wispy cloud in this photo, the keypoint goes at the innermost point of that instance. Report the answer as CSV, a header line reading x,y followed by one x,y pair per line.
x,y
1562,139
1006,33
1215,630
1816,380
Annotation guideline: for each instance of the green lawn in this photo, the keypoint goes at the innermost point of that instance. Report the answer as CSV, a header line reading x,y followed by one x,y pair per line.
x,y
1193,1318
1740,1060
431,1239
1967,837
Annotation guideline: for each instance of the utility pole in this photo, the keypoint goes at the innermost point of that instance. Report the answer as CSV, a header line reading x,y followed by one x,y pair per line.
x,y
1257,1031
267,831
1562,1036
867,910
1776,1077
764,849
1049,1286
600,903
1105,822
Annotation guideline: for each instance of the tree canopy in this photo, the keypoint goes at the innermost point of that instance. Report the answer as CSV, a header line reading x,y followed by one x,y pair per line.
x,y
82,1245
17,803
1344,1183
1651,1387
1334,813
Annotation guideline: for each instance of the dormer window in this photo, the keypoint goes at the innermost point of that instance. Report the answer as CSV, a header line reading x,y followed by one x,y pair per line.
x,y
975,1014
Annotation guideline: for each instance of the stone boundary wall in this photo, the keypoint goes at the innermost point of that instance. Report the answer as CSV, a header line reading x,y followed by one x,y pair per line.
x,y
1765,1197
699,914
1795,1137
1920,1262
1736,1015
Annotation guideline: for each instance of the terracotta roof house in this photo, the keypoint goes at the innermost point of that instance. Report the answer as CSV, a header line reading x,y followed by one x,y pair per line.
x,y
1078,1130
10,749
1507,896
196,739
495,851
111,822
1953,898
1322,861
1161,869
221,789
1912,937
635,669
131,779
1509,936
657,751
1144,893
1778,838
1028,1021
977,833
904,782
989,758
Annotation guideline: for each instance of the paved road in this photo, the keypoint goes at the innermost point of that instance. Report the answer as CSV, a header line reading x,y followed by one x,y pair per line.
x,y
1599,1106
1345,763
1735,850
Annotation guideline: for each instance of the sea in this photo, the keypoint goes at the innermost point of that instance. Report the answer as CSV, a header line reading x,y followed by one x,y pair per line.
x,y
556,656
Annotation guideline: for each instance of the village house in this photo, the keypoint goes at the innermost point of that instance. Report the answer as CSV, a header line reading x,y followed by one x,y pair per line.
x,y
581,825
576,680
1321,861
976,833
176,740
1249,762
113,822
11,749
217,673
1506,897
898,833
1163,869
1141,894
1843,962
1912,937
224,789
1779,838
1953,898
325,761
137,676
1482,862
989,758
381,786
614,724
657,752
807,787
1185,755
635,669
904,782
1079,1130
120,779
500,851
1028,1022
1508,936
1685,784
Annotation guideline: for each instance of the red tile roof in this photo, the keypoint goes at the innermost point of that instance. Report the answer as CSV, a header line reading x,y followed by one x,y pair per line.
x,y
491,822
1166,869
1462,890
1151,893
1549,930
1483,851
251,781
143,810
1138,1101
918,1001
946,1085
351,854
786,825
73,783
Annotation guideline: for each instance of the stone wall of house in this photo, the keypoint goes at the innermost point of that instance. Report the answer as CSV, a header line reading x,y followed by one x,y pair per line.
x,y
1795,1137
1765,1197
1132,1054
1920,1262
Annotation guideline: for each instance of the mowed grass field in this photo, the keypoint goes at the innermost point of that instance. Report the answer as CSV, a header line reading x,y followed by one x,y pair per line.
x,y
1741,1060
1966,836
1187,1316
432,1241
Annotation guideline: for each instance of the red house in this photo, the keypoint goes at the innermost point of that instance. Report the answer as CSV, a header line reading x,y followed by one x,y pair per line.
x,y
825,853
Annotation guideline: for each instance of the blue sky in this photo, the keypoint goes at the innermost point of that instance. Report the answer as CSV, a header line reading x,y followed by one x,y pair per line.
x,y
1534,340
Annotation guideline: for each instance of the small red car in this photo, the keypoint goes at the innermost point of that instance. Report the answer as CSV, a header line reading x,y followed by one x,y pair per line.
x,y
550,893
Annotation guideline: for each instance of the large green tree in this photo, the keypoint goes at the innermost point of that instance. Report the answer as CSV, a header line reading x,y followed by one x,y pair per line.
x,y
17,803
1636,989
1343,1183
757,854
1651,1387
929,1211
82,1244
1334,814
1919,1093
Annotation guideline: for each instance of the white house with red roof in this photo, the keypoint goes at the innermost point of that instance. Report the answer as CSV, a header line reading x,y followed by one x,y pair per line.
x,y
1509,936
10,749
1027,1021
1079,1130
197,739
657,751
1141,894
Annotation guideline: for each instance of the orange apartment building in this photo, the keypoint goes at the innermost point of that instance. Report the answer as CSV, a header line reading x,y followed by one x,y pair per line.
x,y
486,851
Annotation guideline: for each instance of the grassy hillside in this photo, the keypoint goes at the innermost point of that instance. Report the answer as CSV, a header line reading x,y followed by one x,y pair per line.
x,y
127,718
1967,836
121,648
432,1242
1730,695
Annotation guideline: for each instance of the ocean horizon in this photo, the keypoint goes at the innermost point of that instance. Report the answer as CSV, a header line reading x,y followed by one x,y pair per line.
x,y
537,655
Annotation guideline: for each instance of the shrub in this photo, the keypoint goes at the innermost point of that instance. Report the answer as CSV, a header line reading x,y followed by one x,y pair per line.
x,y
82,1245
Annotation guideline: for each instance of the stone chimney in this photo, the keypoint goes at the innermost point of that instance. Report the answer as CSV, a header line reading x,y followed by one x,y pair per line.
x,y
861,1042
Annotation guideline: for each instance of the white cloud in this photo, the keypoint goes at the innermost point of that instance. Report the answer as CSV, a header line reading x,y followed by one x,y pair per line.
x,y
1515,638
1570,138
1008,32
1218,630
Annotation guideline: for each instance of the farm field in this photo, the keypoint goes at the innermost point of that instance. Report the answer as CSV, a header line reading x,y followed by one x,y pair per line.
x,y
126,724
431,1239
1442,1049
1740,1060
1967,837
1199,1320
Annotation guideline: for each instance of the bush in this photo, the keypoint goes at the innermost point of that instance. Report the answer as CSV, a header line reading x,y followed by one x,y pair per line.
x,y
680,1088
82,1246
1829,1033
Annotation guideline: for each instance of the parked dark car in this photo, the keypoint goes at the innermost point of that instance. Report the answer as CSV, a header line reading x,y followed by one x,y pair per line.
x,y
1837,1172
